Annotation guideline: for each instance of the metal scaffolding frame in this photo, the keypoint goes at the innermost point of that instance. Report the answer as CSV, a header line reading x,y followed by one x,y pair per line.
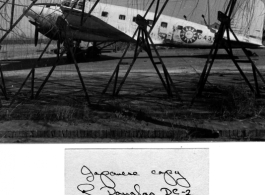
x,y
168,84
144,41
68,45
7,31
225,27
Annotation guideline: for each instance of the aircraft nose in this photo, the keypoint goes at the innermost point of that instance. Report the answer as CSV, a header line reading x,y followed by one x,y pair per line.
x,y
33,12
28,13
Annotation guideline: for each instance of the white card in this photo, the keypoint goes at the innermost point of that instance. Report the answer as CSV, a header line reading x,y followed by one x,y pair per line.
x,y
136,172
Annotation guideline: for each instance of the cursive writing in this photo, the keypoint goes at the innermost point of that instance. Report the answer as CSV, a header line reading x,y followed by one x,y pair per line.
x,y
137,192
111,173
174,180
105,179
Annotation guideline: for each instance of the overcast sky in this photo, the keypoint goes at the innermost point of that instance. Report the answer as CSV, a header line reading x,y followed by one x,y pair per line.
x,y
193,9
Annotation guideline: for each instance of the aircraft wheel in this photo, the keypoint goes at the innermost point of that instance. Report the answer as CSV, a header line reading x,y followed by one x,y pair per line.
x,y
93,52
69,57
250,53
79,55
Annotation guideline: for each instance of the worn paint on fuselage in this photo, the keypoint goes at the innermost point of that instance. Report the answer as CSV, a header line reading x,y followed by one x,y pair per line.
x,y
168,30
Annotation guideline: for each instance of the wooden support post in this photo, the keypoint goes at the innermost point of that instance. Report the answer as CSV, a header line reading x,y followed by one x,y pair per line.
x,y
7,32
143,38
48,76
80,76
116,69
225,20
34,66
18,20
3,86
12,13
91,10
3,5
83,12
32,72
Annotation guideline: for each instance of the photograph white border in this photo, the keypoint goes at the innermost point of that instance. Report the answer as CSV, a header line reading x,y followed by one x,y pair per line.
x,y
32,169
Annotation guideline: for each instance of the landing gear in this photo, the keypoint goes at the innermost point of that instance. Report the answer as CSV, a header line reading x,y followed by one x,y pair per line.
x,y
78,53
93,52
250,53
82,54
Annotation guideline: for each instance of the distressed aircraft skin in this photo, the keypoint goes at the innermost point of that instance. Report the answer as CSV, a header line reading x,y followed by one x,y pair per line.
x,y
116,23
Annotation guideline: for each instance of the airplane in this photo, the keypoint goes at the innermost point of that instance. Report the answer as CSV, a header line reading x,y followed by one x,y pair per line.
x,y
112,23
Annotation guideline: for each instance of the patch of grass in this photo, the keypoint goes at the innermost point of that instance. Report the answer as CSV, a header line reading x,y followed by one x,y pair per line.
x,y
236,102
47,112
65,113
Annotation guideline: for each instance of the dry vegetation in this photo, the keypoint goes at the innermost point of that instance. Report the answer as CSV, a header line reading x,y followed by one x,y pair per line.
x,y
237,102
234,103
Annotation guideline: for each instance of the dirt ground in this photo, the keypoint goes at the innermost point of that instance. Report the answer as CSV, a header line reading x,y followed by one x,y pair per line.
x,y
226,111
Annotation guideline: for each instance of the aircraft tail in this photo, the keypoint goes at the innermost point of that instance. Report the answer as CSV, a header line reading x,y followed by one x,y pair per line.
x,y
248,21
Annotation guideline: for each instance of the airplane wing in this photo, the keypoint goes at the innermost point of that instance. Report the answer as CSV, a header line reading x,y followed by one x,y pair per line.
x,y
93,29
248,22
244,43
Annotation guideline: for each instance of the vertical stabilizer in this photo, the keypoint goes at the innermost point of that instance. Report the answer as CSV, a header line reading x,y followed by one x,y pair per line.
x,y
248,21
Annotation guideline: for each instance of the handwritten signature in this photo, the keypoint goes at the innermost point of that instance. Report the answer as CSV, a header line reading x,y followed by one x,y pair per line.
x,y
171,178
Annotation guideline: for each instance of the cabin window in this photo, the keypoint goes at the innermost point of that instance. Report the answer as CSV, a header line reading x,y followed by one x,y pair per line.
x,y
66,3
134,19
73,2
80,5
150,22
122,17
104,14
180,27
164,24
199,31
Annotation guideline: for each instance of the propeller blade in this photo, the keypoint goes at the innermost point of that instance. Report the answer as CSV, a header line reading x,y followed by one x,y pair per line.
x,y
36,37
58,49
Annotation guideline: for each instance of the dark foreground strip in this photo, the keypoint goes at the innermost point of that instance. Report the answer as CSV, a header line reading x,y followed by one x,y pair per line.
x,y
101,134
179,134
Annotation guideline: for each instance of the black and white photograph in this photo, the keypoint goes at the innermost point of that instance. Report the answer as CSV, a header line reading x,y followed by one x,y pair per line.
x,y
81,71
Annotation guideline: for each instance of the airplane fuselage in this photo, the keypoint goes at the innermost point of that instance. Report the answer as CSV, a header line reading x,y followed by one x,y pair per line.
x,y
116,23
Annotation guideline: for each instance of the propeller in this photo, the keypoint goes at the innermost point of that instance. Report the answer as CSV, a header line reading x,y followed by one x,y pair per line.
x,y
59,42
204,20
36,36
58,49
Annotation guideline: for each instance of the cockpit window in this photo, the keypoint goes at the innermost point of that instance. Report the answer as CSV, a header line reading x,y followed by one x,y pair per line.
x,y
70,3
104,14
80,5
66,3
73,2
150,22
180,27
199,31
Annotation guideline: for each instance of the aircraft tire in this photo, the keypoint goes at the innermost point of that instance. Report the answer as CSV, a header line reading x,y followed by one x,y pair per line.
x,y
93,52
79,55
